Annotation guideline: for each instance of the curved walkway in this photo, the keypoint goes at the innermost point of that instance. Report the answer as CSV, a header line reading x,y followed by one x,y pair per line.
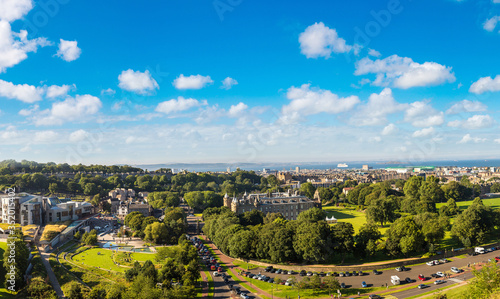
x,y
45,261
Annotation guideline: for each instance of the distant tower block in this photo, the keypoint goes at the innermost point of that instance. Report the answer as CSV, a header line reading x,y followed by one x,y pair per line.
x,y
297,169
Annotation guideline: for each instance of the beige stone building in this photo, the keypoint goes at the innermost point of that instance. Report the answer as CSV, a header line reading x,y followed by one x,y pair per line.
x,y
288,204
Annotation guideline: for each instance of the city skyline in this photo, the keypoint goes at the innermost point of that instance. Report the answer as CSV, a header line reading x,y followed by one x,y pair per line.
x,y
237,81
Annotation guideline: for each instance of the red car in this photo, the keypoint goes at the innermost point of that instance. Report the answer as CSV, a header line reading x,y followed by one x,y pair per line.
x,y
497,258
219,269
212,267
421,277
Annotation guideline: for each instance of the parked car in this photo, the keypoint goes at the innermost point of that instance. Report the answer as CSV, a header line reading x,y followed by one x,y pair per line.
x,y
347,273
342,285
244,296
335,274
302,273
439,281
321,274
355,273
434,275
376,272
422,286
374,296
363,284
268,268
455,270
309,273
430,263
341,274
408,280
291,272
361,273
440,274
421,277
436,262
443,261
271,280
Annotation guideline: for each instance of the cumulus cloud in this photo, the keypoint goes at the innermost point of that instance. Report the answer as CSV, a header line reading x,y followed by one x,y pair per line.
x,y
404,73
374,53
178,105
68,50
228,83
390,129
485,84
46,136
424,132
376,110
306,101
466,106
192,82
474,122
22,92
468,139
319,40
78,135
138,82
491,23
422,114
55,91
14,47
79,108
11,10
237,110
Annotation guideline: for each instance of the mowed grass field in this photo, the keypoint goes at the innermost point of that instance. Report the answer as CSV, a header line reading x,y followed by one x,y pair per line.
x,y
350,215
98,257
494,203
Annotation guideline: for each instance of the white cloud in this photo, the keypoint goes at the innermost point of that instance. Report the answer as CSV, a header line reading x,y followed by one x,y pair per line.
x,y
308,101
78,109
22,92
403,72
108,91
68,50
192,82
78,135
485,84
9,133
320,41
28,112
55,91
422,114
141,83
466,106
46,136
374,53
497,140
468,139
237,110
11,10
376,110
178,105
424,132
228,83
15,46
390,129
474,122
491,23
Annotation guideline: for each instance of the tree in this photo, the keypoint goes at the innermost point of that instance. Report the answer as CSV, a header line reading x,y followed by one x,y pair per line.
x,y
253,217
240,244
312,215
367,236
381,210
272,180
38,289
74,290
14,278
156,232
404,236
308,189
53,188
331,283
474,223
486,282
343,236
90,238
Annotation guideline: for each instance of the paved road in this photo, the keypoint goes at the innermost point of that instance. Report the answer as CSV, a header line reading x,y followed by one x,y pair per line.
x,y
385,277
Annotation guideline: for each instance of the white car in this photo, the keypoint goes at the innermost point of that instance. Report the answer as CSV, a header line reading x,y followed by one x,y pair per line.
x,y
455,270
440,274
431,263
439,281
216,274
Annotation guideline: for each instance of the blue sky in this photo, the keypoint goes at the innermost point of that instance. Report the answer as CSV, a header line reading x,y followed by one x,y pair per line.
x,y
249,81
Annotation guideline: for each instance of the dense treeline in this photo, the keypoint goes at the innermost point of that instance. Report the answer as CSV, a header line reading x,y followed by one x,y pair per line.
x,y
151,229
12,166
272,238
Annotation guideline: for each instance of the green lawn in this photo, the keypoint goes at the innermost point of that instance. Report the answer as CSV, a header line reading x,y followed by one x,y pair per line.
x,y
142,257
350,215
3,291
102,260
494,203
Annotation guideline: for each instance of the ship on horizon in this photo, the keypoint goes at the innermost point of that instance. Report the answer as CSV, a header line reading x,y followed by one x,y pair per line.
x,y
342,165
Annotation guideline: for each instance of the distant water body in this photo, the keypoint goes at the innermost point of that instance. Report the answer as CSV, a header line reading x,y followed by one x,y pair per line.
x,y
202,167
